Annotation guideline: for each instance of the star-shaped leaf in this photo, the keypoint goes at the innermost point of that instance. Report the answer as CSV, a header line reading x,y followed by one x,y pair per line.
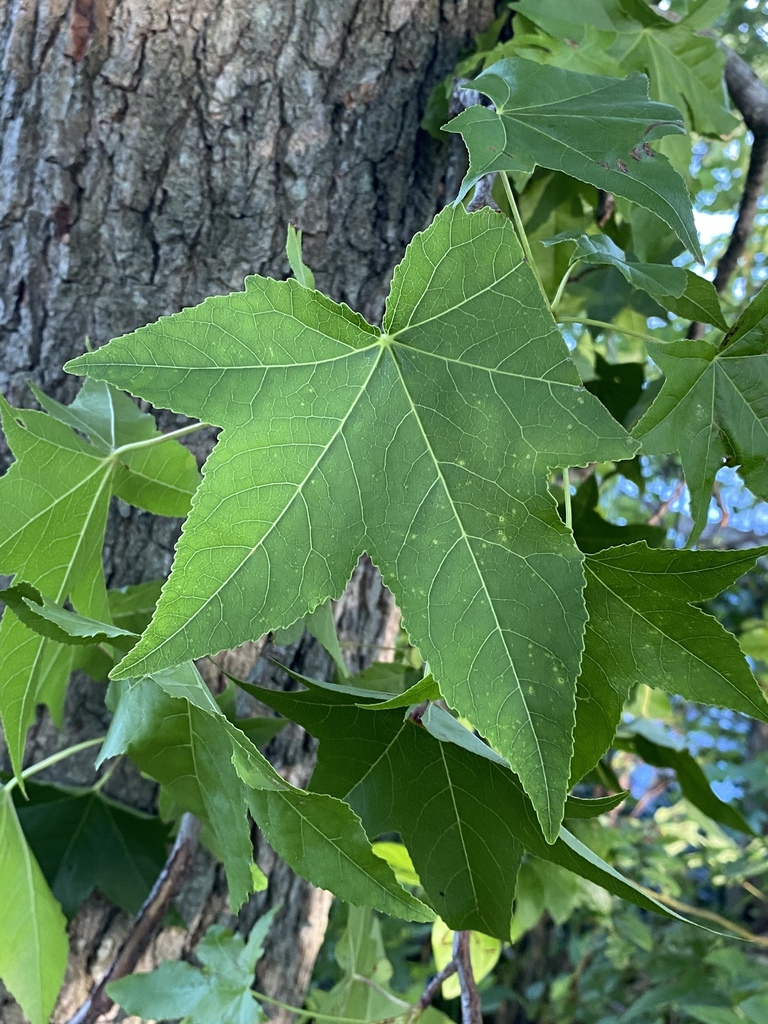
x,y
427,444
363,993
647,595
160,478
54,500
714,406
592,127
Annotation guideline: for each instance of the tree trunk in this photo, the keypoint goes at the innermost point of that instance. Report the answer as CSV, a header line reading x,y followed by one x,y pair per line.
x,y
153,152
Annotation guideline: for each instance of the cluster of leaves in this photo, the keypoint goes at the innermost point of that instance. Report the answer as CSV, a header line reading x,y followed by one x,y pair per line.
x,y
436,444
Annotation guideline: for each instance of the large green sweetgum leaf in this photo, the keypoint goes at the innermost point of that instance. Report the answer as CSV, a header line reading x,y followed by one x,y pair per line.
x,y
714,406
427,445
591,127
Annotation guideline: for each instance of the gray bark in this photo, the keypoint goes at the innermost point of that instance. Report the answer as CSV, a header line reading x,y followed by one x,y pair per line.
x,y
151,153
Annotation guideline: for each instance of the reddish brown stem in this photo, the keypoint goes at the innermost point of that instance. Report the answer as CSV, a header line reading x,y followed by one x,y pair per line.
x,y
432,986
147,922
750,97
471,1012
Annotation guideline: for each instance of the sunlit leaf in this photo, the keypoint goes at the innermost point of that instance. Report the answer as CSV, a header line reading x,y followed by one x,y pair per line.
x,y
33,940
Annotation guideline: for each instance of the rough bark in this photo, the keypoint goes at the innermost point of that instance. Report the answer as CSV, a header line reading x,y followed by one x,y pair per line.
x,y
151,153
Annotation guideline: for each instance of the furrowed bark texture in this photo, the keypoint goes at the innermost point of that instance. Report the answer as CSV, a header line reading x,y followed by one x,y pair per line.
x,y
152,153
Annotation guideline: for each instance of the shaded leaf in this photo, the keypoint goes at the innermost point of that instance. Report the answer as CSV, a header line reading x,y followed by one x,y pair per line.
x,y
84,841
175,732
465,793
592,127
577,807
617,385
385,768
678,290
353,440
593,533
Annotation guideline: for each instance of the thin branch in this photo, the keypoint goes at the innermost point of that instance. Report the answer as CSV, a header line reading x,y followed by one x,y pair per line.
x,y
431,988
665,506
708,915
604,326
471,1012
60,755
147,921
750,97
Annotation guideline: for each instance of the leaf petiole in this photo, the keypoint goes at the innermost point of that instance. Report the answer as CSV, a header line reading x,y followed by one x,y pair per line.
x,y
586,322
561,288
567,499
150,441
47,762
329,1018
517,221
